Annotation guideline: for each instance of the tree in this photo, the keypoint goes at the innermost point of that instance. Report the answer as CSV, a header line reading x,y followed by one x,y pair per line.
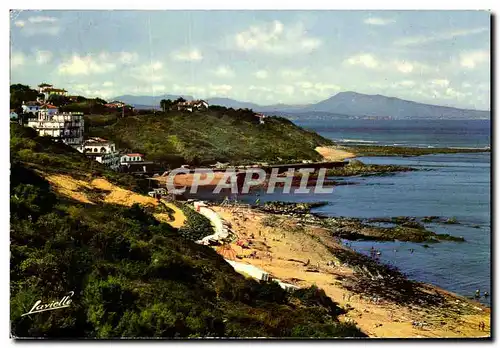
x,y
179,100
100,101
21,93
58,100
166,104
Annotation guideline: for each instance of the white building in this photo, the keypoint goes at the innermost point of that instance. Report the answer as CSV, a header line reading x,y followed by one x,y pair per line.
x,y
102,151
31,107
131,157
48,90
51,110
65,127
97,145
192,105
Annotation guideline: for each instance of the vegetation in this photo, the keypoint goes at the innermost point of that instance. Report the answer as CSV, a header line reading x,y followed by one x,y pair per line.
x,y
356,167
19,94
132,276
403,228
371,150
197,226
204,137
43,154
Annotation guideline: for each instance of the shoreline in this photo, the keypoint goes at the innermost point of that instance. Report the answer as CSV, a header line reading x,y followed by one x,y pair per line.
x,y
380,300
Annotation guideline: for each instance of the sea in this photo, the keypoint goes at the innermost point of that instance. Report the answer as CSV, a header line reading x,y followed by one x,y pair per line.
x,y
448,185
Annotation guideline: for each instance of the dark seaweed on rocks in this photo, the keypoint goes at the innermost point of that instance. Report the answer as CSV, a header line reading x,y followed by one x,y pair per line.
x,y
375,279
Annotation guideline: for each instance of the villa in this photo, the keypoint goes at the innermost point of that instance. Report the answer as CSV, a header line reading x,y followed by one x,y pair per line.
x,y
31,107
66,127
192,105
131,157
48,90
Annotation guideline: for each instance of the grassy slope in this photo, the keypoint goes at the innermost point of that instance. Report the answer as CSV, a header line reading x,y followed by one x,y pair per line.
x,y
209,136
132,276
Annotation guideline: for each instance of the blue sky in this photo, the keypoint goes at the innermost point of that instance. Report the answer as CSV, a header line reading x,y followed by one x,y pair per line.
x,y
266,57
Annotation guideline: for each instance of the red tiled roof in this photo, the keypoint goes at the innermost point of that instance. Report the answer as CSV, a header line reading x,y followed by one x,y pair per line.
x,y
48,106
134,155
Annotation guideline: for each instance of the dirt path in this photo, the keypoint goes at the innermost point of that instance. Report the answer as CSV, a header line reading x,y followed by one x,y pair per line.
x,y
285,250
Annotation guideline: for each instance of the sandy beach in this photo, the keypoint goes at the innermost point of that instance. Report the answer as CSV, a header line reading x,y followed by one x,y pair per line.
x,y
332,153
304,256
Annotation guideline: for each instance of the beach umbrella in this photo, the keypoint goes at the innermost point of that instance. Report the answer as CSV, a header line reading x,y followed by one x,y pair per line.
x,y
226,251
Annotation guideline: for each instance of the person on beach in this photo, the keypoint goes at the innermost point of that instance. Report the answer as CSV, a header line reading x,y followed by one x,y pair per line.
x,y
478,293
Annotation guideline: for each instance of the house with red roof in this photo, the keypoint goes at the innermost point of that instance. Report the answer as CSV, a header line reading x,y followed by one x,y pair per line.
x,y
131,157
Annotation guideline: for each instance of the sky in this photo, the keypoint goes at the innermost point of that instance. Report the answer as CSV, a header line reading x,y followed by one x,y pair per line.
x,y
265,57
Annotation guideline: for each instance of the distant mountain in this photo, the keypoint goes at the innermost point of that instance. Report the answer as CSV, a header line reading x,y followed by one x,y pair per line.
x,y
343,104
357,104
231,103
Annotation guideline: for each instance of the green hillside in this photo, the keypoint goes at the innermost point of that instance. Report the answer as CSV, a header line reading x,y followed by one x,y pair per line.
x,y
132,276
218,134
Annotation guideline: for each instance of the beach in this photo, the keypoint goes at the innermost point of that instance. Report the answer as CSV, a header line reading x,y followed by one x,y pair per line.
x,y
306,255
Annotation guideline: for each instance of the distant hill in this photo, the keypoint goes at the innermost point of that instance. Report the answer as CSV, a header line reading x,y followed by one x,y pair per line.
x,y
231,103
343,103
357,104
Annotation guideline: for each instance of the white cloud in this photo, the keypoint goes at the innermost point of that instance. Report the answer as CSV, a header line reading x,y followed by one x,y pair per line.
x,y
197,91
260,88
86,65
150,72
292,73
39,25
261,74
159,88
364,59
91,90
406,83
420,40
404,67
128,57
440,82
224,71
219,89
326,87
42,19
285,89
275,38
17,59
317,89
43,57
473,58
378,21
188,55
107,84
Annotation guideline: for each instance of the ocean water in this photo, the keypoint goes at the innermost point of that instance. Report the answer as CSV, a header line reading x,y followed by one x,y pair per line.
x,y
420,133
454,185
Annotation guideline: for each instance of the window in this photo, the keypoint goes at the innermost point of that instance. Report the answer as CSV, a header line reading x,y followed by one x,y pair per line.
x,y
103,150
95,149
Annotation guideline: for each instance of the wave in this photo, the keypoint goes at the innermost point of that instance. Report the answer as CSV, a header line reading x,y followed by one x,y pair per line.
x,y
356,141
